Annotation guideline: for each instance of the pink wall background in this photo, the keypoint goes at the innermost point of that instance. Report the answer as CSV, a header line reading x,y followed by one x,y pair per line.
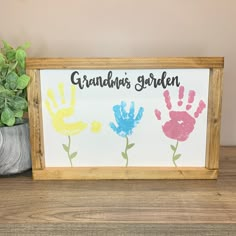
x,y
129,28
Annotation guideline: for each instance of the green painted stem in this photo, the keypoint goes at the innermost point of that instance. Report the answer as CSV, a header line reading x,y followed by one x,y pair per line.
x,y
126,149
68,153
176,146
67,150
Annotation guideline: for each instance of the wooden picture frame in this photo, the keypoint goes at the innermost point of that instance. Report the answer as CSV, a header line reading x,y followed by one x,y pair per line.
x,y
210,171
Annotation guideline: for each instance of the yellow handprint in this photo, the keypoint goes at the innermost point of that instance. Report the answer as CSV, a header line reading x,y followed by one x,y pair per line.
x,y
59,115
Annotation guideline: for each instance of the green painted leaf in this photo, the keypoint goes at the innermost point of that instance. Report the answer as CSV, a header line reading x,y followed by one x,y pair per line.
x,y
20,57
66,148
130,145
176,157
8,117
73,155
23,81
173,147
124,155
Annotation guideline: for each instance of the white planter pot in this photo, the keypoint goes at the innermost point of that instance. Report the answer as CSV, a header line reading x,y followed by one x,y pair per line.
x,y
14,149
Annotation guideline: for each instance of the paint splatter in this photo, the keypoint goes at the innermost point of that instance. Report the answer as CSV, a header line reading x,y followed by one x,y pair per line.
x,y
96,127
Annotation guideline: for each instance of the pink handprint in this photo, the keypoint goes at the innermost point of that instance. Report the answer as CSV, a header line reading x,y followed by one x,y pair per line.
x,y
181,123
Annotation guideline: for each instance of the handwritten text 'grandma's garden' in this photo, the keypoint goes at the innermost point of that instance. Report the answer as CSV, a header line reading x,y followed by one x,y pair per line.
x,y
142,82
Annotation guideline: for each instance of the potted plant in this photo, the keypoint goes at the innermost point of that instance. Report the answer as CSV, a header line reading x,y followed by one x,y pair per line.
x,y
14,131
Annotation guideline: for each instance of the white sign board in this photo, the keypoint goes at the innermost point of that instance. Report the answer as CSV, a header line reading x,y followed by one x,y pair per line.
x,y
124,117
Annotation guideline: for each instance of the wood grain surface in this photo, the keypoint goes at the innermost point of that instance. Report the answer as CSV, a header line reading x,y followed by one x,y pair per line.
x,y
35,117
132,63
121,207
96,173
214,118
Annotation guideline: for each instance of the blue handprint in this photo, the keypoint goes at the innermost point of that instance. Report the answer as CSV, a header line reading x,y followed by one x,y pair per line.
x,y
126,122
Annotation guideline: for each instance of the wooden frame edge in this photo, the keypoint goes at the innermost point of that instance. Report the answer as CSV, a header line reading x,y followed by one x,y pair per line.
x,y
101,173
214,118
35,120
124,63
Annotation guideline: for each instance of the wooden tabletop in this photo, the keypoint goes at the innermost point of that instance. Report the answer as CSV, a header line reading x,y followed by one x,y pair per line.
x,y
121,207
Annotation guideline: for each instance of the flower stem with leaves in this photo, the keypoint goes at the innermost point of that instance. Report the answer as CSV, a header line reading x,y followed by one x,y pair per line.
x,y
125,153
175,156
67,150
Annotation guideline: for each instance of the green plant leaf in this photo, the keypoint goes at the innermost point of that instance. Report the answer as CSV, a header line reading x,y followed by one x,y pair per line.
x,y
7,86
130,145
23,81
4,70
173,147
24,46
2,89
11,77
176,157
73,155
8,117
12,85
6,45
10,54
2,103
124,155
20,103
20,70
12,66
66,148
2,59
6,93
19,120
19,113
20,57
